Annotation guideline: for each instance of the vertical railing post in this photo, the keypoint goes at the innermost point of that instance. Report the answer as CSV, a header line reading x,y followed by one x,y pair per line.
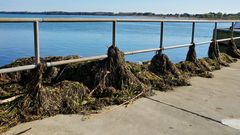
x,y
232,30
114,33
36,42
193,33
215,32
161,36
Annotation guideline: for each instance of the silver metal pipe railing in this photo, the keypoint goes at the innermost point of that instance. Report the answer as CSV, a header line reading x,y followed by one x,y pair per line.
x,y
114,33
15,69
36,42
193,32
161,34
108,20
36,22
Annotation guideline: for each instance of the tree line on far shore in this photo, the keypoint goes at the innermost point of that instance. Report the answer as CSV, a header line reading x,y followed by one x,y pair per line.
x,y
210,15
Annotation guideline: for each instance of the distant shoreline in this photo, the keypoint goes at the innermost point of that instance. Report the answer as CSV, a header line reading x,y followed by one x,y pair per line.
x,y
99,14
135,14
146,14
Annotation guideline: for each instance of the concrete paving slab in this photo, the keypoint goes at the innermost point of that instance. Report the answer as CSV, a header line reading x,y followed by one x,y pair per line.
x,y
143,117
217,98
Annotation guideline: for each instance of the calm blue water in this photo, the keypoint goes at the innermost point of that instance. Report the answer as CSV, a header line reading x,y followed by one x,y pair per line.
x,y
90,39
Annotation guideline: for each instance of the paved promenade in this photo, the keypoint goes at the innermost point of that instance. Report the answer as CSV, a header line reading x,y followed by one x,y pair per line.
x,y
208,107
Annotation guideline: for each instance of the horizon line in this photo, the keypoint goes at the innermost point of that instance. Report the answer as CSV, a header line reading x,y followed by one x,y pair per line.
x,y
117,12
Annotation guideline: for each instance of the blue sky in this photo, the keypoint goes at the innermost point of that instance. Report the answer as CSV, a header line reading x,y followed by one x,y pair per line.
x,y
156,6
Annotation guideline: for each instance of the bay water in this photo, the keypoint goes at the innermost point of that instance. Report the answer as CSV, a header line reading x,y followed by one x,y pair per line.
x,y
93,38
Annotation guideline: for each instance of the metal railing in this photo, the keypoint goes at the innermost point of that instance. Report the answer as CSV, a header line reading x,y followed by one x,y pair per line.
x,y
36,22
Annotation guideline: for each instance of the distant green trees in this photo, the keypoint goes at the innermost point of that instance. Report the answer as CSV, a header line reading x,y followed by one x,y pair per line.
x,y
219,15
210,15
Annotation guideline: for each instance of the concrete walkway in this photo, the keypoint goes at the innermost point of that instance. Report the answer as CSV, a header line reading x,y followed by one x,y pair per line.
x,y
199,109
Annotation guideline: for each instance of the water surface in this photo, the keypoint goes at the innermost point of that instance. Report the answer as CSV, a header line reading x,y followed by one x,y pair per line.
x,y
91,39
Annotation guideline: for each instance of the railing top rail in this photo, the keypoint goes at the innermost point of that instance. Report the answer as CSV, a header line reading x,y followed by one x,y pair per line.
x,y
20,19
172,20
107,20
78,20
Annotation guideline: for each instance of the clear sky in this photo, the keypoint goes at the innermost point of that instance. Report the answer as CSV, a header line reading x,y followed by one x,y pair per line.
x,y
156,6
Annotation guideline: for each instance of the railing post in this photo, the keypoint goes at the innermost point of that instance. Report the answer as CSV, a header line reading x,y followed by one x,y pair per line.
x,y
114,34
161,35
215,32
193,32
232,30
36,42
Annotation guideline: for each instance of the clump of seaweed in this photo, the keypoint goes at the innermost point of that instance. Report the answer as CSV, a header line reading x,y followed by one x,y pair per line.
x,y
164,68
212,64
203,67
106,82
227,58
23,77
214,53
41,101
194,67
198,68
89,86
108,77
191,55
10,90
148,78
115,73
232,50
